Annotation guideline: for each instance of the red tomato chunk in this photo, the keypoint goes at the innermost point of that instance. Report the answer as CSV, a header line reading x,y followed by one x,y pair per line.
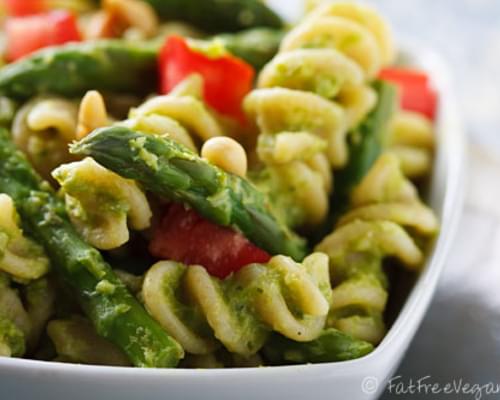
x,y
27,34
227,79
416,92
185,236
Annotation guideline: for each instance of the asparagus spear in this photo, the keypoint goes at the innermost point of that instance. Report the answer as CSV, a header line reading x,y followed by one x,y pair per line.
x,y
332,345
218,15
367,142
110,65
115,313
72,69
256,46
171,170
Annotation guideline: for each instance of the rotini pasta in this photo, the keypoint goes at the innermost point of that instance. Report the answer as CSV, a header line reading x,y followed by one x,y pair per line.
x,y
182,239
411,139
181,115
239,312
24,314
318,86
20,257
76,341
11,339
14,321
43,128
102,204
383,205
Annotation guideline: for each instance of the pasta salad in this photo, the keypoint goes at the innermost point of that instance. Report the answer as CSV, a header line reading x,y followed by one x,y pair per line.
x,y
201,185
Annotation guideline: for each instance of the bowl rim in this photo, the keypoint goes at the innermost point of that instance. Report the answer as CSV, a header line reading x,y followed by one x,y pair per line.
x,y
452,142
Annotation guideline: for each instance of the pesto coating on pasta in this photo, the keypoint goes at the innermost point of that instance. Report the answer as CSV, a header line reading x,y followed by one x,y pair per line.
x,y
172,171
115,313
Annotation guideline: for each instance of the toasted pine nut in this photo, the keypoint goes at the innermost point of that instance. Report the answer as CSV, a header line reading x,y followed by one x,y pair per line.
x,y
92,114
227,154
135,13
103,24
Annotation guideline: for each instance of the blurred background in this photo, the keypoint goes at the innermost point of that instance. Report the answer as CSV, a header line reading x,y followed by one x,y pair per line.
x,y
460,336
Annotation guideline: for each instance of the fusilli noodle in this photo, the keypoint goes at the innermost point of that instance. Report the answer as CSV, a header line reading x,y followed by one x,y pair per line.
x,y
76,341
411,139
101,204
20,257
283,296
24,313
14,321
43,128
387,219
312,93
181,114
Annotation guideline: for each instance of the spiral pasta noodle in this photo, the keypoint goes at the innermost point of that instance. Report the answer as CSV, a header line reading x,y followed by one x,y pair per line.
x,y
386,219
181,114
20,257
24,314
240,311
43,128
25,311
75,340
102,204
319,85
411,139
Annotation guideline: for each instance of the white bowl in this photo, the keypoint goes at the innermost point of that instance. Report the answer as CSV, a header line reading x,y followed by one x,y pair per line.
x,y
351,380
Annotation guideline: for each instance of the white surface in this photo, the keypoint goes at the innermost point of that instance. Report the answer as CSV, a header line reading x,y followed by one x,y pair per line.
x,y
24,379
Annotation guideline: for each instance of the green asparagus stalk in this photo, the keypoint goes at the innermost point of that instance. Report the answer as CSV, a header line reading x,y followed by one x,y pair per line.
x,y
332,345
256,46
115,313
367,141
218,15
171,170
72,69
110,65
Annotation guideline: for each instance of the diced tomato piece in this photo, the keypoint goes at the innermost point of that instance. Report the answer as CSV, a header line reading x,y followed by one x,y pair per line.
x,y
421,99
185,236
20,8
27,34
417,93
404,75
227,79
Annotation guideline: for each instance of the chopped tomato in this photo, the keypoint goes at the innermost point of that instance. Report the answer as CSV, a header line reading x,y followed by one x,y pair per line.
x,y
417,93
27,34
227,79
410,76
24,7
185,236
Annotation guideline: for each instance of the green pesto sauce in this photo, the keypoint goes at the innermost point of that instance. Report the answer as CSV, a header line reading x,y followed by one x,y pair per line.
x,y
303,77
12,341
281,194
105,287
150,159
